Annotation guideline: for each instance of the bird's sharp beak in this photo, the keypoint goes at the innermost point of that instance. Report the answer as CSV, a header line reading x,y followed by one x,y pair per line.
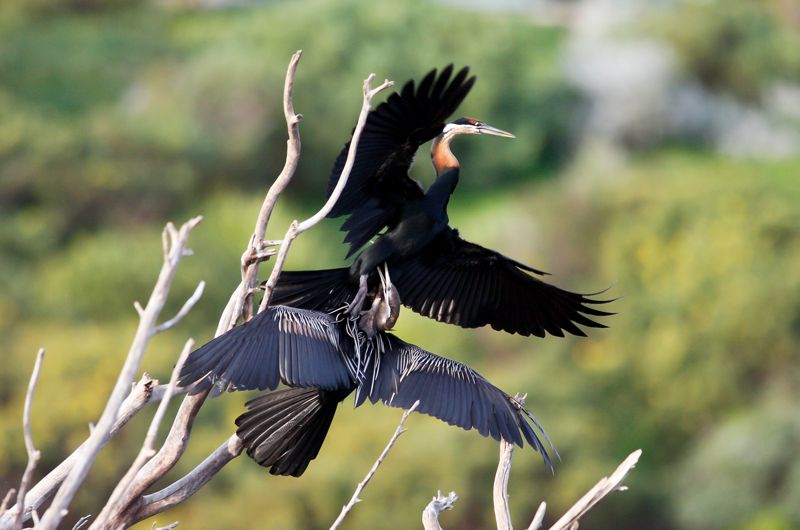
x,y
494,131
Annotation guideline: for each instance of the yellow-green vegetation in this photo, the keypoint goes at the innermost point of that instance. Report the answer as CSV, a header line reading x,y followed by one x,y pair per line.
x,y
117,117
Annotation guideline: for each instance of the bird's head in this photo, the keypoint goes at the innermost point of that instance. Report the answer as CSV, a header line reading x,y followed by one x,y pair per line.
x,y
473,126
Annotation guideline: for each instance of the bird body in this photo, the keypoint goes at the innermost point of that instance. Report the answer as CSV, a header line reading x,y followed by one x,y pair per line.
x,y
437,273
324,358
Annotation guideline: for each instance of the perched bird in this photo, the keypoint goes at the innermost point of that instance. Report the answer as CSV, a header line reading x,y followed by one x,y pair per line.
x,y
438,274
324,358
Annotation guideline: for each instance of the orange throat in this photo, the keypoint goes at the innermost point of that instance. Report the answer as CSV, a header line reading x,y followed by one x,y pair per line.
x,y
442,156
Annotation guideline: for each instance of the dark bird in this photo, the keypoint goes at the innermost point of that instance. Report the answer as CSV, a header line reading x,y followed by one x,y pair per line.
x,y
438,274
324,358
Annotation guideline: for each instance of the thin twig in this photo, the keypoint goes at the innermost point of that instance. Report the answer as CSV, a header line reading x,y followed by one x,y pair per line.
x,y
168,527
33,454
296,228
439,504
605,486
363,484
148,446
147,321
81,522
187,306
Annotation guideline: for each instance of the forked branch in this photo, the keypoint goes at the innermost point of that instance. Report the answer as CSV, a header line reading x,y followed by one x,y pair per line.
x,y
33,453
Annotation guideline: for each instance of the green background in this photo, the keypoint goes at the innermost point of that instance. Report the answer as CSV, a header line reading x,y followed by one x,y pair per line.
x,y
117,116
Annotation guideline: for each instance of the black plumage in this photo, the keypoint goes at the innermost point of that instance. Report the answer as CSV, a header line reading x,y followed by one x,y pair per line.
x,y
324,358
437,273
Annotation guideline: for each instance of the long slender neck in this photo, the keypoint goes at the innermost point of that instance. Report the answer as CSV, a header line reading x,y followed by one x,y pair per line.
x,y
447,168
441,155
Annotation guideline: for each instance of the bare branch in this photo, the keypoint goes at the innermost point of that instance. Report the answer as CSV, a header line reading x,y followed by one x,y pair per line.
x,y
81,522
295,228
187,306
186,486
6,500
168,527
502,513
143,392
148,447
33,454
605,486
538,517
242,296
363,484
100,434
169,454
439,504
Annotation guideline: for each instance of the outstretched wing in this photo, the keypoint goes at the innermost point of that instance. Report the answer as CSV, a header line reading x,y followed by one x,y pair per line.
x,y
452,392
282,344
379,181
458,282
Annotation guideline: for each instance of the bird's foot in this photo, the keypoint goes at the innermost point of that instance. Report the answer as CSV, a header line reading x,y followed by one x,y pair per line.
x,y
354,309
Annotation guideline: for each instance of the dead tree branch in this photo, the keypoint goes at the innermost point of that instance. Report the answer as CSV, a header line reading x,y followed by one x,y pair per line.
x,y
569,521
33,454
538,517
189,484
148,447
187,306
7,500
605,486
363,484
439,504
502,513
295,228
144,392
175,250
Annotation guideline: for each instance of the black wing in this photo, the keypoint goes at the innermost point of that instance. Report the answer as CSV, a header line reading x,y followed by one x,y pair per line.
x,y
295,346
323,290
452,392
379,181
461,283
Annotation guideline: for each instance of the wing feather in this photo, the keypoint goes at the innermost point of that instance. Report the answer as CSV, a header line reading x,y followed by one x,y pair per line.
x,y
296,346
452,392
458,282
392,134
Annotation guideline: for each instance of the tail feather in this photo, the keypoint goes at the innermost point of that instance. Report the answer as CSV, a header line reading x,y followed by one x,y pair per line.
x,y
321,290
284,430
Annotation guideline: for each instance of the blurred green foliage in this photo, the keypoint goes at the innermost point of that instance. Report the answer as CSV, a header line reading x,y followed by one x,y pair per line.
x,y
737,46
117,117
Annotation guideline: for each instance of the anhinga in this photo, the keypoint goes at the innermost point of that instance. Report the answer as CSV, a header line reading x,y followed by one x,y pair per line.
x,y
437,273
324,358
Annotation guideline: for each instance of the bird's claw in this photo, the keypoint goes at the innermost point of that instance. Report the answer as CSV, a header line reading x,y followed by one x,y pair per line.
x,y
354,309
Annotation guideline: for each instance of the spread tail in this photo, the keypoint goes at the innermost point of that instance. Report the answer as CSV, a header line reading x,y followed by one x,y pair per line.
x,y
284,430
